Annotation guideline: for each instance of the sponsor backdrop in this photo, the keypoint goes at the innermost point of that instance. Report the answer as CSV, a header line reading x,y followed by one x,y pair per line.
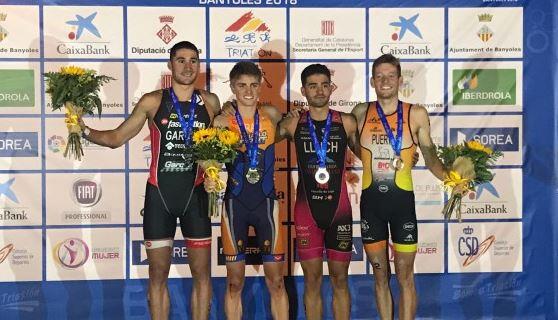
x,y
70,232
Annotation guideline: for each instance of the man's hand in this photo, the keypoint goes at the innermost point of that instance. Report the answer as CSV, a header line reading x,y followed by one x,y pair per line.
x,y
227,109
295,113
209,185
416,158
460,189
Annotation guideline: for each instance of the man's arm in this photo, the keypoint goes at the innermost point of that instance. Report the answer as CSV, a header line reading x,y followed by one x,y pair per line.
x,y
212,101
276,116
419,117
286,128
130,127
353,140
359,111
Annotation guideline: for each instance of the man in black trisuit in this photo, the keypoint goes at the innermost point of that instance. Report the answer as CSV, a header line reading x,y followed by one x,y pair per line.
x,y
173,189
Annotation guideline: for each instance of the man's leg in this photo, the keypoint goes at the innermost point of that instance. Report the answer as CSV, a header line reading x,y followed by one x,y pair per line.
x,y
377,254
339,274
313,271
233,293
404,263
274,280
158,295
199,259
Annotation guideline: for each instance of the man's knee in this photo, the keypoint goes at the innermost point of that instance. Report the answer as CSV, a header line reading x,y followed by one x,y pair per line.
x,y
275,283
406,279
158,273
339,281
200,272
235,284
313,280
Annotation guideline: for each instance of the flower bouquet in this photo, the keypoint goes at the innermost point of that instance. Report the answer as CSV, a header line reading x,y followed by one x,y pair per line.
x,y
77,90
211,148
468,167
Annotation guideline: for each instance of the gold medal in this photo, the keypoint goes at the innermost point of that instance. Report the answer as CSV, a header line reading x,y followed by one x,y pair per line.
x,y
396,164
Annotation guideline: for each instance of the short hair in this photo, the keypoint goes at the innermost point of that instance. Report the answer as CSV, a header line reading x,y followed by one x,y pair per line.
x,y
184,45
312,69
245,68
387,58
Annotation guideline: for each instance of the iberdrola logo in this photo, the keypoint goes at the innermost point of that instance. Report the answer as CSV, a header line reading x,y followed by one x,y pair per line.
x,y
469,81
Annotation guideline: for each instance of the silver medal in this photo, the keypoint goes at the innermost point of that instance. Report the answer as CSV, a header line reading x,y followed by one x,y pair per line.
x,y
322,176
252,176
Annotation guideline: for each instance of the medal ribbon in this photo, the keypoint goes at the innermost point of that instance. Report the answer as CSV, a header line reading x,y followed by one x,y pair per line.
x,y
397,141
251,146
187,127
320,148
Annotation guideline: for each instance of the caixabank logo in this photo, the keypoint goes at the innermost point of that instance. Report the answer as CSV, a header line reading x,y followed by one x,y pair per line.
x,y
179,253
484,86
83,31
17,88
505,139
11,209
406,33
83,38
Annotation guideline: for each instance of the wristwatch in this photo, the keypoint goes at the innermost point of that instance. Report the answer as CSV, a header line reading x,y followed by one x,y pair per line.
x,y
85,132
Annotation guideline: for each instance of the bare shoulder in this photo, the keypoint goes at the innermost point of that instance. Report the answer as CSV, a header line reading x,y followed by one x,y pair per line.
x,y
149,102
349,120
360,109
418,113
211,99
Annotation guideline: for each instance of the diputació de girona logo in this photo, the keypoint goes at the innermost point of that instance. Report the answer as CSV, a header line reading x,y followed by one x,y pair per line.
x,y
71,253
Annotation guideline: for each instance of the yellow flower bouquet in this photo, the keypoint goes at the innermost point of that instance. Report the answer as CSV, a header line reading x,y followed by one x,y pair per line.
x,y
211,148
468,166
77,90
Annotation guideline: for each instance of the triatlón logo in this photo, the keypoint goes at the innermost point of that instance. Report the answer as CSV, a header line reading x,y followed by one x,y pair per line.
x,y
248,23
166,33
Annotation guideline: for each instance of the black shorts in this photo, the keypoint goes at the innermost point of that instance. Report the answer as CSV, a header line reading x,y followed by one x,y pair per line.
x,y
159,217
396,208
